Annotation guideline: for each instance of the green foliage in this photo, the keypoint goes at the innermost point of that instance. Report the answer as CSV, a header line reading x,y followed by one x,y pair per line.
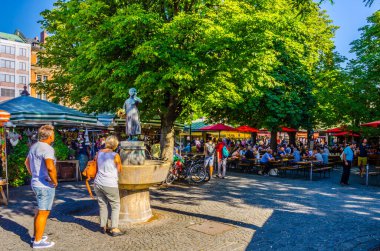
x,y
364,73
61,150
249,61
280,86
351,96
16,167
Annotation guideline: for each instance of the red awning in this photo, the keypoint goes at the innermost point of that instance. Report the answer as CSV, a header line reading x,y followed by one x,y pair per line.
x,y
246,129
372,124
217,127
287,129
334,130
346,134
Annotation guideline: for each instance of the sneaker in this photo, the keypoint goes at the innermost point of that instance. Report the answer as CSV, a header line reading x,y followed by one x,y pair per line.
x,y
43,244
44,238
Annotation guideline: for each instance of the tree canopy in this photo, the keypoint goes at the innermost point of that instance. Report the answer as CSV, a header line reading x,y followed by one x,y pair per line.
x,y
185,56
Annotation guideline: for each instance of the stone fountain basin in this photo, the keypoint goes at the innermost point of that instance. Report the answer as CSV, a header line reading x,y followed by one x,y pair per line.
x,y
138,177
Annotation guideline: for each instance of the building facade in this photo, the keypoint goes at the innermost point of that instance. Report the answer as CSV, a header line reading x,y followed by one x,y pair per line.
x,y
15,61
38,74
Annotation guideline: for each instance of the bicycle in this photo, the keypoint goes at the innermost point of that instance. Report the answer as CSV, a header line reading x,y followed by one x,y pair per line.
x,y
188,170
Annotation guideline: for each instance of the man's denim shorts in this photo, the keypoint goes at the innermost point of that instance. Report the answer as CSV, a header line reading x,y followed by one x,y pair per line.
x,y
45,197
209,161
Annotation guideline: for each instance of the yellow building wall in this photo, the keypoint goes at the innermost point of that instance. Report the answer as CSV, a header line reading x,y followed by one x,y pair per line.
x,y
36,70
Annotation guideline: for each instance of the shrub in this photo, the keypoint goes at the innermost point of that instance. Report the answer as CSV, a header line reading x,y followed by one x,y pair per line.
x,y
61,150
18,174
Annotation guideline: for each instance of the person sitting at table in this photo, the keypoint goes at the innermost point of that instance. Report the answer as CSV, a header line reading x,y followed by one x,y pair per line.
x,y
310,153
281,152
296,155
288,149
304,152
236,154
266,159
249,153
242,150
318,156
325,155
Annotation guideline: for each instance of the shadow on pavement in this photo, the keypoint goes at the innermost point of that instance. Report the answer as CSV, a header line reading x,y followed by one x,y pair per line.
x,y
208,217
15,228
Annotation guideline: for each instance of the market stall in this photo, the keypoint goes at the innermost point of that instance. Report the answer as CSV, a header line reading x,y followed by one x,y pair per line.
x,y
4,118
28,114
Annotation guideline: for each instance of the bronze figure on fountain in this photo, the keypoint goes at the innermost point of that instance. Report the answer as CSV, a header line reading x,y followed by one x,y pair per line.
x,y
132,123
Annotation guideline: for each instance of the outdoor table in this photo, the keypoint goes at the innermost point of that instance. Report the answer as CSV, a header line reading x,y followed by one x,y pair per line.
x,y
276,162
4,198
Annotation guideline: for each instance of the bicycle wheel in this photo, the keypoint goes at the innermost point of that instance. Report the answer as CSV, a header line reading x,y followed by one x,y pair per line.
x,y
171,176
197,173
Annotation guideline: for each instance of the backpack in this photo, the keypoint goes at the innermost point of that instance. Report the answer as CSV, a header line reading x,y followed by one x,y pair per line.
x,y
90,172
225,152
210,149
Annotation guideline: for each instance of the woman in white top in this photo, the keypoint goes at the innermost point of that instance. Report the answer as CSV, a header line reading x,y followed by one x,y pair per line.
x,y
106,185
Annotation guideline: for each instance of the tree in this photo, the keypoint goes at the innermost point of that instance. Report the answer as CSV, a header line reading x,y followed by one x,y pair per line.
x,y
293,46
350,96
364,73
176,53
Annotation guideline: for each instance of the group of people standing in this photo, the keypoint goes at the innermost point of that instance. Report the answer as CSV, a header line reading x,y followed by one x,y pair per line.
x,y
219,150
40,164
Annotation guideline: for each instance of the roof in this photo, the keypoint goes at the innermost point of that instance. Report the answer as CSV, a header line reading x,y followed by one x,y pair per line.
x,y
26,109
11,37
106,118
195,126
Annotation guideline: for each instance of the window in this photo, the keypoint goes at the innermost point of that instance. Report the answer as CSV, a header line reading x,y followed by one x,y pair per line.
x,y
41,96
22,52
22,79
45,78
7,78
7,64
7,92
39,78
22,66
7,49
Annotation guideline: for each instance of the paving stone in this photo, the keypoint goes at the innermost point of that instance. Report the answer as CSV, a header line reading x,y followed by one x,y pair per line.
x,y
266,213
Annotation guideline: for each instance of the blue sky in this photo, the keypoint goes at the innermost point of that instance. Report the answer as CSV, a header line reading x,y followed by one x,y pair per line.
x,y
348,14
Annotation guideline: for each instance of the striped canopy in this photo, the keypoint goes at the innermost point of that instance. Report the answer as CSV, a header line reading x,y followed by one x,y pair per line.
x,y
27,110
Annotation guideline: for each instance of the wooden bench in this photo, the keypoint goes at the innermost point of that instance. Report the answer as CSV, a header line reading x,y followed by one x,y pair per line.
x,y
247,164
323,169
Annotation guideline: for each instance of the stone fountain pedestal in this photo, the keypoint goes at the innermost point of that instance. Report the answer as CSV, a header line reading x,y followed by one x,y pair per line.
x,y
136,177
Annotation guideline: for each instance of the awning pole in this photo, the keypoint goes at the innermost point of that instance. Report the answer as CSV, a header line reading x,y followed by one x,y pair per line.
x,y
6,162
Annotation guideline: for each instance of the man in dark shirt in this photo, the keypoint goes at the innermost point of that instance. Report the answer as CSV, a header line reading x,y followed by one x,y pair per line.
x,y
362,159
249,153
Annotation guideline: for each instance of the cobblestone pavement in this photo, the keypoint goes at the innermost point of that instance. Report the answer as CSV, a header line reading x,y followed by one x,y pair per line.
x,y
266,213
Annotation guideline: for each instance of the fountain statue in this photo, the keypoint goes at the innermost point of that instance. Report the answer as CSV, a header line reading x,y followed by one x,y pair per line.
x,y
137,174
132,123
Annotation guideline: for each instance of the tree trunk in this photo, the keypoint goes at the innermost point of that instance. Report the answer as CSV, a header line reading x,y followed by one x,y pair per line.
x,y
167,138
292,138
253,137
167,127
310,139
273,140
